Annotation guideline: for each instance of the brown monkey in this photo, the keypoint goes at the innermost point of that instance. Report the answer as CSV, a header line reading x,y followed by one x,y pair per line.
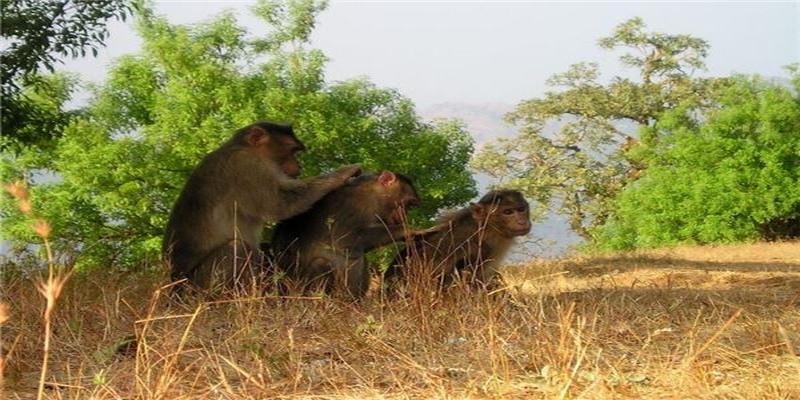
x,y
213,231
472,240
326,246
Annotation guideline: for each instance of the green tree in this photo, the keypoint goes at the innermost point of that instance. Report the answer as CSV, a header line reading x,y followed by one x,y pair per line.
x,y
726,174
122,164
36,34
573,145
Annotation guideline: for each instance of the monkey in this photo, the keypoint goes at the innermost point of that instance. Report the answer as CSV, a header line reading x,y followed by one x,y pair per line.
x,y
212,235
326,246
472,240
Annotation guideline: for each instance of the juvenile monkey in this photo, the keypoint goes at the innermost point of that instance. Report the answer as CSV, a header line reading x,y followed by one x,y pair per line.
x,y
326,246
473,240
214,229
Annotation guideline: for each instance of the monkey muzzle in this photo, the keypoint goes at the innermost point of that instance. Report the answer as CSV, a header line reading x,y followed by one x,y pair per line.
x,y
523,229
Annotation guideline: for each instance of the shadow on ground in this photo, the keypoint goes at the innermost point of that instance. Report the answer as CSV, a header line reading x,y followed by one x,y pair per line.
x,y
600,266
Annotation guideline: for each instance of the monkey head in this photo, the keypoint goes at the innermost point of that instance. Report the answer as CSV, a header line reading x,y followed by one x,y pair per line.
x,y
276,143
396,193
504,211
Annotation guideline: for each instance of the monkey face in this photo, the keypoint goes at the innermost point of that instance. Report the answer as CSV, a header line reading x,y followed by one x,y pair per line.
x,y
291,167
407,198
509,215
398,194
278,146
513,219
284,150
288,147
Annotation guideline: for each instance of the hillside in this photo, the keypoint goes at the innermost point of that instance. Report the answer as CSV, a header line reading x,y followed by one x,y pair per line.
x,y
483,120
702,322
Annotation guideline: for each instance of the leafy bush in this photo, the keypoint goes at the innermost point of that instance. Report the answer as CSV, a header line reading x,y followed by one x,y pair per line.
x,y
729,174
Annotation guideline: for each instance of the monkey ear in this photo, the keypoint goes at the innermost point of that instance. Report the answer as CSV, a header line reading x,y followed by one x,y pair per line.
x,y
257,136
478,211
387,178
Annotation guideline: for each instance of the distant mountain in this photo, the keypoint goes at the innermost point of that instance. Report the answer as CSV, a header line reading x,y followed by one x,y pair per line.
x,y
483,120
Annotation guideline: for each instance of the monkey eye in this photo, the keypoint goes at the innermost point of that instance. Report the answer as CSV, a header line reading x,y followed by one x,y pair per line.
x,y
508,211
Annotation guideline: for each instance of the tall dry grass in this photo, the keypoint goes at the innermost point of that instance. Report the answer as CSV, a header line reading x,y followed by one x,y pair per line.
x,y
681,323
647,325
50,288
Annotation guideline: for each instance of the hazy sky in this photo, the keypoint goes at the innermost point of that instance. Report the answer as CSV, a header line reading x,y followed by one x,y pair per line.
x,y
499,52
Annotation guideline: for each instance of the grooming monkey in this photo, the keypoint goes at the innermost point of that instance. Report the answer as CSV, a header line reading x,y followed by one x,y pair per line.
x,y
214,229
326,246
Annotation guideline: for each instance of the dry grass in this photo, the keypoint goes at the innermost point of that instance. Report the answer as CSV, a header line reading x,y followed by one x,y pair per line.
x,y
719,322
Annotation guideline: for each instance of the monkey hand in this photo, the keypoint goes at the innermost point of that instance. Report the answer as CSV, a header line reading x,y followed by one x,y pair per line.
x,y
349,171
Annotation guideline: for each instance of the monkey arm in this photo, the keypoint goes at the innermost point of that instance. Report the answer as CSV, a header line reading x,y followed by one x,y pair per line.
x,y
379,235
296,196
434,233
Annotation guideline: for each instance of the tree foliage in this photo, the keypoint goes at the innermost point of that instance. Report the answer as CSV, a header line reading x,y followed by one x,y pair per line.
x,y
37,33
572,149
121,165
730,173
